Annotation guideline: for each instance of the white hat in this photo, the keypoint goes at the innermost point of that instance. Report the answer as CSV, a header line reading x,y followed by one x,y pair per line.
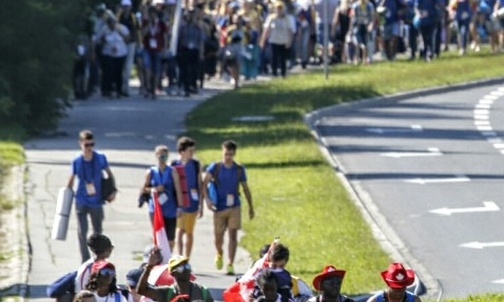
x,y
155,2
126,2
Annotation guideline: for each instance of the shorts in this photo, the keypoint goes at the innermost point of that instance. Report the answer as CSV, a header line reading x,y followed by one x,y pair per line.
x,y
227,219
391,30
170,225
152,61
187,222
361,35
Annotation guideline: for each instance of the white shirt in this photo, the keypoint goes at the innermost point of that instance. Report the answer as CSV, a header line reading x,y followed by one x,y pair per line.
x,y
110,298
114,44
83,274
280,29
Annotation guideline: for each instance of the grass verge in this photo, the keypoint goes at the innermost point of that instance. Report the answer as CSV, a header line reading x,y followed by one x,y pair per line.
x,y
296,193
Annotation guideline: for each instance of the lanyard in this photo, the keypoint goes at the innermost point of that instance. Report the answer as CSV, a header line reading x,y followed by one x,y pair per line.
x,y
88,179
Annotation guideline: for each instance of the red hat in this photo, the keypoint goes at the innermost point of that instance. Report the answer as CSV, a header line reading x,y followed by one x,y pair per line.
x,y
396,276
101,264
329,271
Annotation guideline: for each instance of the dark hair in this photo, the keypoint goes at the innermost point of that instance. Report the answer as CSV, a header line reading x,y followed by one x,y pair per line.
x,y
184,143
266,276
92,284
279,252
230,145
264,250
99,243
85,135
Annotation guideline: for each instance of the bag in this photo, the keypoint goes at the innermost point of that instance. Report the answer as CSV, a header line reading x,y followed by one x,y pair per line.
x,y
63,285
107,186
183,180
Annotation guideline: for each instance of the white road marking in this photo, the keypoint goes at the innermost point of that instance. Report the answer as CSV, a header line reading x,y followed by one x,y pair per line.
x,y
488,206
481,117
430,152
484,128
490,97
483,106
423,181
498,146
413,128
481,123
482,245
494,140
482,111
497,93
500,281
487,102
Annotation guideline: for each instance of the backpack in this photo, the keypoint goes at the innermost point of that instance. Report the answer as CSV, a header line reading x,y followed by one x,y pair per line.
x,y
183,180
63,285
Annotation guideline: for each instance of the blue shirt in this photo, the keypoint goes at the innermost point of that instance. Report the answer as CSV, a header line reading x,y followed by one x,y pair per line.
x,y
227,185
169,208
463,11
391,15
89,172
192,175
428,6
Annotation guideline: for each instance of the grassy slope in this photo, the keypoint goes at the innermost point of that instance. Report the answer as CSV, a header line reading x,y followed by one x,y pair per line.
x,y
295,192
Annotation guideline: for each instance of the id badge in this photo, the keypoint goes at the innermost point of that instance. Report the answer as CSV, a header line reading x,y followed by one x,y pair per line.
x,y
230,200
163,198
152,43
194,194
90,189
465,15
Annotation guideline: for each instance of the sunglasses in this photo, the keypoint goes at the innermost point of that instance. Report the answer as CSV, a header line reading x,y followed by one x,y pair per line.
x,y
88,145
181,268
107,272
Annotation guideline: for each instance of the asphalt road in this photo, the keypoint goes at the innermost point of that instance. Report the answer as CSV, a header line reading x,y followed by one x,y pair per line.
x,y
433,166
126,131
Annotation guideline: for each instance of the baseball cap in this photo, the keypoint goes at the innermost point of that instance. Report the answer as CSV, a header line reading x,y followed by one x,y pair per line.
x,y
176,260
101,264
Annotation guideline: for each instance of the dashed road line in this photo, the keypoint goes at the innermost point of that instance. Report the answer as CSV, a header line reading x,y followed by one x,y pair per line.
x,y
481,115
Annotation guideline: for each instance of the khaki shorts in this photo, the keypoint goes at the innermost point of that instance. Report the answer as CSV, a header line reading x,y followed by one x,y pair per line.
x,y
187,221
227,219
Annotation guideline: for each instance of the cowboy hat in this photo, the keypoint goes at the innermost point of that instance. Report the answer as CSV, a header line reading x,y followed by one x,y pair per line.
x,y
396,276
328,271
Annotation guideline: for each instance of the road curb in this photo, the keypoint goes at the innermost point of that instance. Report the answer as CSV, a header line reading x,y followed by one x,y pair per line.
x,y
381,229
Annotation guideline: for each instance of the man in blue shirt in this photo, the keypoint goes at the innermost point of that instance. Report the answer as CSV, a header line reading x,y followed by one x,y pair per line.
x,y
186,222
88,167
227,176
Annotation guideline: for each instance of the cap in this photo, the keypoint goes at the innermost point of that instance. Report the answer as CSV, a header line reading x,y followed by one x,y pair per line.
x,y
99,265
176,260
133,276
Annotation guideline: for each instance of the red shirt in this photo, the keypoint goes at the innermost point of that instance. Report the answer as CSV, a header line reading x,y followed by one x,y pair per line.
x,y
156,35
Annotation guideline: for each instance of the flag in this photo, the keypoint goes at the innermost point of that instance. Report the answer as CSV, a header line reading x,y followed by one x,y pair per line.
x,y
160,237
241,290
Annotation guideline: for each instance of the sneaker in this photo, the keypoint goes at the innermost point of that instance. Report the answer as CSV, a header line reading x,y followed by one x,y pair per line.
x,y
219,263
230,270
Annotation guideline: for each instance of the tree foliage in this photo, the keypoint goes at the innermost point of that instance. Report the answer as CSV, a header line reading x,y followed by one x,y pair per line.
x,y
37,39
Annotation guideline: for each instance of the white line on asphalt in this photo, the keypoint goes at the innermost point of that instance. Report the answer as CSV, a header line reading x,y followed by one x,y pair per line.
x,y
423,181
481,123
494,140
501,89
484,128
487,102
500,281
483,106
430,152
498,146
502,151
482,245
480,117
497,93
490,97
488,206
412,128
482,111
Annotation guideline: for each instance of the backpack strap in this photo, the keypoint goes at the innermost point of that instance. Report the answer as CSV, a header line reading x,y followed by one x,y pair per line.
x,y
381,297
204,293
218,166
171,293
239,172
117,296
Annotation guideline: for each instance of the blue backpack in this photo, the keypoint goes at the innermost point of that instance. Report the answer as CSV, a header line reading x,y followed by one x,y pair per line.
x,y
64,285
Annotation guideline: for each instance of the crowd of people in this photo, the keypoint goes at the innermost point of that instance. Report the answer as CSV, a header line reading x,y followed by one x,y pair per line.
x,y
236,39
180,200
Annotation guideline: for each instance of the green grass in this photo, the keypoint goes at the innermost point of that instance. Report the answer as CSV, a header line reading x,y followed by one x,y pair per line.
x,y
296,194
480,298
11,153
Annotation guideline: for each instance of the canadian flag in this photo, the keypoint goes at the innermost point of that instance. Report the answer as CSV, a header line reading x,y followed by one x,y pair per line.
x,y
241,290
160,237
